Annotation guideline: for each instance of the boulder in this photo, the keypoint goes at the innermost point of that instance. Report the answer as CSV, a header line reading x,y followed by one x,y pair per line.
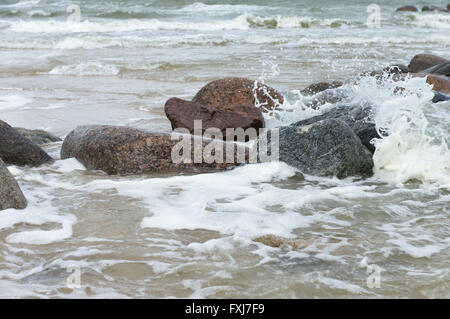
x,y
440,69
440,83
124,150
10,194
324,148
182,114
18,150
421,62
319,87
358,118
238,91
38,136
407,8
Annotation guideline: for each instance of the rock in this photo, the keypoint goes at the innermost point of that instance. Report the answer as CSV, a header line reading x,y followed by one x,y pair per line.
x,y
439,97
18,150
448,6
440,69
10,194
407,8
358,118
277,241
238,91
434,8
124,150
421,62
440,83
319,87
325,148
331,96
38,136
182,114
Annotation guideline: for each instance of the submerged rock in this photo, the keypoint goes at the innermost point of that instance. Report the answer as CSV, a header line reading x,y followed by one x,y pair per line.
x,y
38,136
421,62
327,147
321,86
407,8
18,150
182,114
277,241
10,194
238,91
124,150
434,8
439,97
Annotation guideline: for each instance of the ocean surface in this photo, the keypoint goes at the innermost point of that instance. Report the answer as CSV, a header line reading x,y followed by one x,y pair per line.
x,y
182,235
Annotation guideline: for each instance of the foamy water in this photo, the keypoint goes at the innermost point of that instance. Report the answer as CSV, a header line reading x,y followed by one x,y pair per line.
x,y
183,235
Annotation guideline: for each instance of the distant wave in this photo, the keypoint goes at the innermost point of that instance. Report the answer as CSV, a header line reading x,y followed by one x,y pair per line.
x,y
241,22
99,41
90,68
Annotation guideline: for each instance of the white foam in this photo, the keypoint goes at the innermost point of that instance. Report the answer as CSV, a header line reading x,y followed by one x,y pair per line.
x,y
89,68
11,102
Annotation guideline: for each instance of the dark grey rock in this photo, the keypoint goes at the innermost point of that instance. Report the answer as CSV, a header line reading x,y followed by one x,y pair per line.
x,y
18,150
10,194
38,136
324,148
440,69
439,97
359,118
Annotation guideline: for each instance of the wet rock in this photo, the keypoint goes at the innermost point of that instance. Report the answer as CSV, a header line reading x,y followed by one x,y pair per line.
x,y
277,241
330,96
238,91
440,69
391,69
182,114
124,150
407,8
440,83
10,194
434,8
358,118
38,136
18,150
421,62
439,97
324,148
319,87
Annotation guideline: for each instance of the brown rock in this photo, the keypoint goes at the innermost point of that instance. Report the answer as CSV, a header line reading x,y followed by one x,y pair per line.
x,y
424,61
10,194
319,87
238,91
440,83
18,150
407,8
182,114
277,241
125,150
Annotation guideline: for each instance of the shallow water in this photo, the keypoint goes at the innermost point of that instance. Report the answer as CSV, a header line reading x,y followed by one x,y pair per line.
x,y
164,236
